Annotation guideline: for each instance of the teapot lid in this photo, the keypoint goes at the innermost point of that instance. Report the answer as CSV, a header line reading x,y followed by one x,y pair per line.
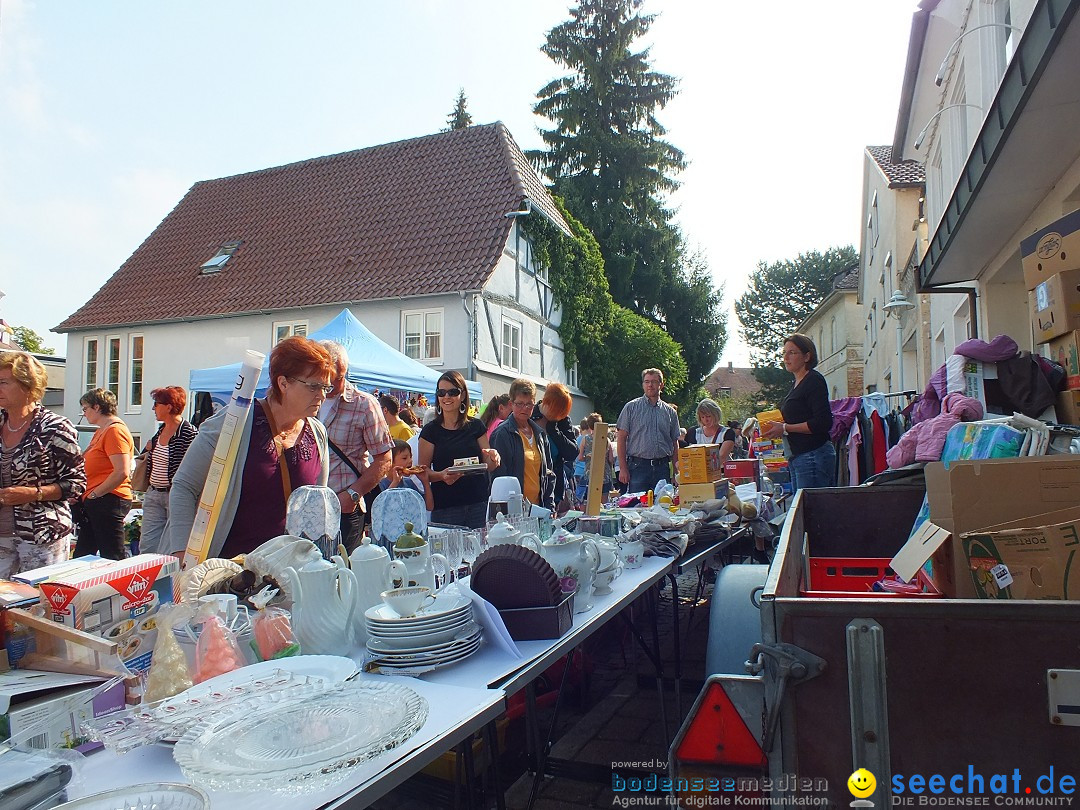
x,y
502,528
409,538
368,551
321,564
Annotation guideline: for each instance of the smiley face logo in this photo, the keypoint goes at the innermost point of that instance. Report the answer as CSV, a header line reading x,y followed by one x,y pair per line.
x,y
861,783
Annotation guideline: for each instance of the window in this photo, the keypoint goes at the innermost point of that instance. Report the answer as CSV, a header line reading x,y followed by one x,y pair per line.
x,y
511,344
724,392
90,364
218,260
288,329
572,376
873,324
421,334
135,372
872,230
112,372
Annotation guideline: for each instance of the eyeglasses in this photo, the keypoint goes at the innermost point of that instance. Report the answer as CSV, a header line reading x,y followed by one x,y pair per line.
x,y
314,388
794,353
523,405
449,392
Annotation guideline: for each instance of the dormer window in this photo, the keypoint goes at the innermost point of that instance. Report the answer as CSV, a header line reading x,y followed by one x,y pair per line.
x,y
216,262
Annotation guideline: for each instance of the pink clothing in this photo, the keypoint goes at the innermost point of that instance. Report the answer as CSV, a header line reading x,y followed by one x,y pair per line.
x,y
925,440
494,424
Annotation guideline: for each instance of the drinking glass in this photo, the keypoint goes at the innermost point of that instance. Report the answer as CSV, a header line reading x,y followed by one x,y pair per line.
x,y
470,547
453,550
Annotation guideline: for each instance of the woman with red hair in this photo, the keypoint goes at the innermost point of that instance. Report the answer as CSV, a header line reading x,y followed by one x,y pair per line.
x,y
163,454
552,413
283,446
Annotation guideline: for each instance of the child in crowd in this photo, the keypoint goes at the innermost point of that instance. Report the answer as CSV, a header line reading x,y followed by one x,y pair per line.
x,y
404,474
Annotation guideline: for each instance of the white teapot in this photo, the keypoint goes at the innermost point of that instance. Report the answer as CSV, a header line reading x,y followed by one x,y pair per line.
x,y
375,573
503,532
324,600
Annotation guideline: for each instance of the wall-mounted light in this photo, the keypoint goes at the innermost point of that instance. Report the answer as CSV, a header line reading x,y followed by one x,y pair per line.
x,y
922,132
945,62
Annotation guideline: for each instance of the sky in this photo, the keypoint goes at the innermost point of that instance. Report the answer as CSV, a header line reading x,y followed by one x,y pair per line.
x,y
111,110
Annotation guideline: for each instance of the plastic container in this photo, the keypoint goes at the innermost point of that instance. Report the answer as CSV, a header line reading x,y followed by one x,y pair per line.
x,y
839,577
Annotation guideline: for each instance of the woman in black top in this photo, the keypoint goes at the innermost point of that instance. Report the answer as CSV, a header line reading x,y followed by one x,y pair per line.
x,y
452,436
807,418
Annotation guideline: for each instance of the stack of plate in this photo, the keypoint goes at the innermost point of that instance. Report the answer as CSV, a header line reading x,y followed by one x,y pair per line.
x,y
442,633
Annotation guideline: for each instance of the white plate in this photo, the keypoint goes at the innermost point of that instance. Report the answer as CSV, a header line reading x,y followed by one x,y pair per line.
x,y
379,645
384,628
422,639
444,603
332,668
440,661
428,659
163,795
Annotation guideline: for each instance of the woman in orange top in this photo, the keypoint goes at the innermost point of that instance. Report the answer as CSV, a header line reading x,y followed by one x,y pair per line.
x,y
108,478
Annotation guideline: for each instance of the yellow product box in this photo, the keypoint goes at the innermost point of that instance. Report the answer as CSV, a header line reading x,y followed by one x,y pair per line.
x,y
699,493
770,416
700,464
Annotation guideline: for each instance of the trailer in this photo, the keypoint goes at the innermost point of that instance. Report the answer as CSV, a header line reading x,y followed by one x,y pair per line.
x,y
945,702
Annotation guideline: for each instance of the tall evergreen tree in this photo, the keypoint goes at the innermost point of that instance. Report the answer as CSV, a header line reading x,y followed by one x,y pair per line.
x,y
607,157
460,118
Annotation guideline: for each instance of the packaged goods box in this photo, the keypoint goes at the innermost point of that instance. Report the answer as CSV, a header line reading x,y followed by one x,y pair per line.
x,y
1051,250
965,496
699,493
118,601
700,464
52,706
1065,351
743,471
1031,558
1055,306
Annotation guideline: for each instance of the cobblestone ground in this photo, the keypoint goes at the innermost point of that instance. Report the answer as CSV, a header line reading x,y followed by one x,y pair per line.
x,y
612,718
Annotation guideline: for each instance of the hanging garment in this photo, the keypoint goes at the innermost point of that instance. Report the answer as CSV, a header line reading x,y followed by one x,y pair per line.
x,y
925,440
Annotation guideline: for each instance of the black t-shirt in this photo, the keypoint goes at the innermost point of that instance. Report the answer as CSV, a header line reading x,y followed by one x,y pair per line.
x,y
448,445
808,402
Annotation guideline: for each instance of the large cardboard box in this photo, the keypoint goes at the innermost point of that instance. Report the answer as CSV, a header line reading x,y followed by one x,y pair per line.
x,y
968,495
118,601
1031,558
699,493
1067,408
700,464
1055,306
1065,350
1051,250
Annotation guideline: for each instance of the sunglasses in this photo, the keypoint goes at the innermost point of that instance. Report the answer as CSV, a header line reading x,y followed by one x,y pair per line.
x,y
449,392
314,388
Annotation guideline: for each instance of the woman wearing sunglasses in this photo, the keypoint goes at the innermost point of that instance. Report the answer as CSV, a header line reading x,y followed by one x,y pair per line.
x,y
460,500
283,446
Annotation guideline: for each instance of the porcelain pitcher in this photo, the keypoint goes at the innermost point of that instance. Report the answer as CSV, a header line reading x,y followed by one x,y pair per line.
x,y
575,561
418,564
375,573
324,601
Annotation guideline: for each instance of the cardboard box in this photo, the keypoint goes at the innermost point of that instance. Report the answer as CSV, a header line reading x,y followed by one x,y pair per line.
x,y
700,464
1065,350
1055,306
1051,250
59,702
969,495
1036,554
117,601
1067,408
699,493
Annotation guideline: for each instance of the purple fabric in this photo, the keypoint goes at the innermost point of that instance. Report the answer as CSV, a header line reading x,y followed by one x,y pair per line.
x,y
1002,347
925,440
843,414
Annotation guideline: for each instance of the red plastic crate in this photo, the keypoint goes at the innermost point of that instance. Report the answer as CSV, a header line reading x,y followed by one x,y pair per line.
x,y
839,577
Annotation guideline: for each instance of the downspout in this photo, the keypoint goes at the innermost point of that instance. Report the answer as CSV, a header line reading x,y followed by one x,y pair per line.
x,y
470,325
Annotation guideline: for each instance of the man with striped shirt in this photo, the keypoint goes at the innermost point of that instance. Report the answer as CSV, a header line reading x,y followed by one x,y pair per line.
x,y
647,436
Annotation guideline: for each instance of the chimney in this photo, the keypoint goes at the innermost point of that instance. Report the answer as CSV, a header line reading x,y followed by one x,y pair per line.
x,y
730,367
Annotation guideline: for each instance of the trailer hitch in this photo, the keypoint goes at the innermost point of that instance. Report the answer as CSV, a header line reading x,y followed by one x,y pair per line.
x,y
785,662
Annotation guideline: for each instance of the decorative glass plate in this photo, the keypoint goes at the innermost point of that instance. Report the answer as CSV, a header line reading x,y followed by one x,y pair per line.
x,y
293,745
152,796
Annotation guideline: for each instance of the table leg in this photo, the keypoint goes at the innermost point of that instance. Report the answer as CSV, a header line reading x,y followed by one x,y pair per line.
x,y
470,773
545,747
654,653
491,736
678,642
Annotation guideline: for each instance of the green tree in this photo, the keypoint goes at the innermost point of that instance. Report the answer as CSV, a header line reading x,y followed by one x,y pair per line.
x,y
607,157
779,297
29,340
460,118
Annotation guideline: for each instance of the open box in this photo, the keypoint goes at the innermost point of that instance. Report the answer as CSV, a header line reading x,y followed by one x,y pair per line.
x,y
536,623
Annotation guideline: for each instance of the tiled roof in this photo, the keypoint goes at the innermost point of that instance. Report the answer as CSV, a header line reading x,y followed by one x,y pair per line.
x,y
422,216
740,381
848,280
900,175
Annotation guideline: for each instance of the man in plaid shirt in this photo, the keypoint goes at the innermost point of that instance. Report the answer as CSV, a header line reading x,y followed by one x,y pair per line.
x,y
360,445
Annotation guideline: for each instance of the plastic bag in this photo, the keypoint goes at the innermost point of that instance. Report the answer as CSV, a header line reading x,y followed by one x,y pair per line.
x,y
169,674
217,650
272,635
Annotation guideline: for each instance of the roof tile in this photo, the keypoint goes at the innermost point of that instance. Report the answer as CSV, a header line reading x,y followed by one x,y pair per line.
x,y
900,175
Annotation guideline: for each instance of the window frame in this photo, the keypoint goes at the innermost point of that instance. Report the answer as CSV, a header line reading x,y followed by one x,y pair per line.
x,y
91,384
508,349
132,406
424,336
291,326
110,361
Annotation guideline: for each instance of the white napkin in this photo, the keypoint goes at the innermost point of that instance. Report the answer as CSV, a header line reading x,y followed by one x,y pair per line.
x,y
485,613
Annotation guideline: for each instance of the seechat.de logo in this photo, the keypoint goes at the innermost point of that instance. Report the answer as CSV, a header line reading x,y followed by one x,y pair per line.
x,y
862,785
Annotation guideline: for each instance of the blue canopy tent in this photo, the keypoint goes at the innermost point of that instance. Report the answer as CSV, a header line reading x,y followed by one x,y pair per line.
x,y
372,364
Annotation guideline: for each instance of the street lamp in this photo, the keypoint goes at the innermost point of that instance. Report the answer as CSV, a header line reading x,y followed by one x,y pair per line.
x,y
896,307
922,133
945,62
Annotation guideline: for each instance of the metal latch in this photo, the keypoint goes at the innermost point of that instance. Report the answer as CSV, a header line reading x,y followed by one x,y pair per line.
x,y
782,663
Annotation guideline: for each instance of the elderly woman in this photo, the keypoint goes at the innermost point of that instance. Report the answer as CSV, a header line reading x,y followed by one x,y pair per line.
x,y
711,429
41,470
163,454
108,479
283,446
807,418
460,499
522,445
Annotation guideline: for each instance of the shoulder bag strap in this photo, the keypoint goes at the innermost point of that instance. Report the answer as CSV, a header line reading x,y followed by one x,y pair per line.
x,y
283,465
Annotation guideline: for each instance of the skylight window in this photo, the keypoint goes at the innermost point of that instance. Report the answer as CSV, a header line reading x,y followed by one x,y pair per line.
x,y
224,253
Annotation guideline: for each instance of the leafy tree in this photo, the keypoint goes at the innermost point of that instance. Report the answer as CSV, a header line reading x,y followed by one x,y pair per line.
x,y
460,118
29,340
607,158
779,297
